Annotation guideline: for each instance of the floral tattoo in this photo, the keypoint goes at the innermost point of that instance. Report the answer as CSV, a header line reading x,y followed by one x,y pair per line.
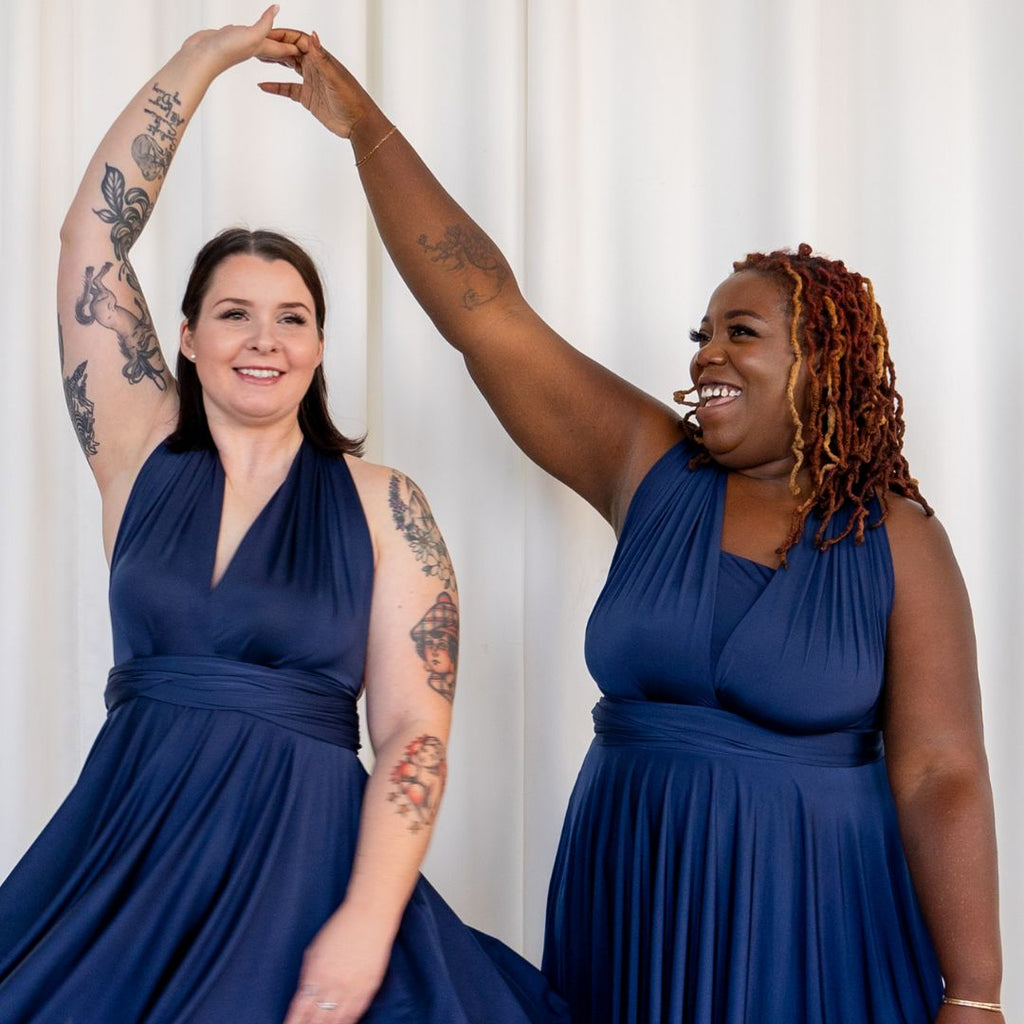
x,y
419,781
414,520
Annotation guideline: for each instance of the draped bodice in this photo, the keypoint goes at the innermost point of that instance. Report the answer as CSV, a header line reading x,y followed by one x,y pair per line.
x,y
805,653
295,597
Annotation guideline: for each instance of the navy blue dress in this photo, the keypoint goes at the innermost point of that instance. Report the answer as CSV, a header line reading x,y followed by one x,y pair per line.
x,y
213,827
731,851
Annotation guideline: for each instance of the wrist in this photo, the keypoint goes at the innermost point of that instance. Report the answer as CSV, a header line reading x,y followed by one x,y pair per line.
x,y
367,130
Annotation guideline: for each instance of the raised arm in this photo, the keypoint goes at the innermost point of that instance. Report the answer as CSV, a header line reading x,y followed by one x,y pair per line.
x,y
936,759
576,419
120,393
412,656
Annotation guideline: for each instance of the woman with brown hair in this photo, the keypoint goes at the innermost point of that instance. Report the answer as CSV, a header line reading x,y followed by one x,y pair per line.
x,y
224,856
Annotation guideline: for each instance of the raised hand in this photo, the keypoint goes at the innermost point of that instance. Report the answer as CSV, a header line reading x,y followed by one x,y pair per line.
x,y
327,90
234,44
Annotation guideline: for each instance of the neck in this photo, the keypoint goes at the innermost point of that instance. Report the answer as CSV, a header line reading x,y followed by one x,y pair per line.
x,y
247,451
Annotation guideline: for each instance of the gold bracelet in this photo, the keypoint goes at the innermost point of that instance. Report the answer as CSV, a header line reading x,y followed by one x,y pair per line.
x,y
387,135
994,1007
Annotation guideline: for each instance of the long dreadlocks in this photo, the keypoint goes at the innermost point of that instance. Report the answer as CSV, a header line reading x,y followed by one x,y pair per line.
x,y
852,443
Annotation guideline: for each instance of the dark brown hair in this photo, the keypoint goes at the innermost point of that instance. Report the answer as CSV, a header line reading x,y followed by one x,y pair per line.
x,y
193,430
852,443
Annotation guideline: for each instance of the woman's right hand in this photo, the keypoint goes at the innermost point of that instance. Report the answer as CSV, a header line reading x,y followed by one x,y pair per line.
x,y
327,90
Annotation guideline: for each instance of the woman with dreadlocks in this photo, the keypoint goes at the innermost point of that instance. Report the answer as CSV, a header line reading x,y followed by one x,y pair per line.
x,y
785,814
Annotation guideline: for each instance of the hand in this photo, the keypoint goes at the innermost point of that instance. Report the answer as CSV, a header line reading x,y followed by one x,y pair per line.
x,y
341,971
327,90
234,44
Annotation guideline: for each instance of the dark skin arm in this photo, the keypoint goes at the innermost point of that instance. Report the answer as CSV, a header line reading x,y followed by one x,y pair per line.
x,y
583,424
936,759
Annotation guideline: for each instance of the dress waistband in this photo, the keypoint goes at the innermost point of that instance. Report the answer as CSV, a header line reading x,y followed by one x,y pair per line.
x,y
306,702
619,722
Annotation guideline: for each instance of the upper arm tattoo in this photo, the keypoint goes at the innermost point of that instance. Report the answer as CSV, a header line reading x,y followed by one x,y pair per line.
x,y
419,781
469,250
80,407
136,337
436,637
413,519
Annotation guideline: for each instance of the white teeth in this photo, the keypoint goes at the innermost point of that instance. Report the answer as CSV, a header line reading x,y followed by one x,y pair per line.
x,y
252,372
719,391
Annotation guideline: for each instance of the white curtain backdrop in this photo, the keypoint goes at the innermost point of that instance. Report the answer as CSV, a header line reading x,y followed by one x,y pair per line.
x,y
622,154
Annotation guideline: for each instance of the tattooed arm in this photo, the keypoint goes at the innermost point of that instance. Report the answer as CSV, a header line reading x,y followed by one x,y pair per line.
x,y
410,681
582,423
120,393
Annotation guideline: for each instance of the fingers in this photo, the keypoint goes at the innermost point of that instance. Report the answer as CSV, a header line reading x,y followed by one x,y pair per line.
x,y
266,19
274,52
292,90
291,35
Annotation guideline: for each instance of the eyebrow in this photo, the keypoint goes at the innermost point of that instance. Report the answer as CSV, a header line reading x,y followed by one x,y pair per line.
x,y
733,313
246,302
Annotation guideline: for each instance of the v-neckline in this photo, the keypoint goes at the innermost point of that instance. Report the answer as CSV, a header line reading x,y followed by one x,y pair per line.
x,y
220,488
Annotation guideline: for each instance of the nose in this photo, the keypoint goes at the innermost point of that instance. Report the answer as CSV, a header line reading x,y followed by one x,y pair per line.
x,y
710,353
263,338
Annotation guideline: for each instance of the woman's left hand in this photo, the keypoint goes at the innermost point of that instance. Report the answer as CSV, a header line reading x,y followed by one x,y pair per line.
x,y
341,971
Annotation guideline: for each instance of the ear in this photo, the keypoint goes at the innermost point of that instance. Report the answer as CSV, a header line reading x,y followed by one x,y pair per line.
x,y
185,341
320,352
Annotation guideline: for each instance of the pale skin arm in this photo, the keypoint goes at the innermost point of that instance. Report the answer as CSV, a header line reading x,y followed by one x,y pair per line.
x,y
937,765
120,392
583,424
409,706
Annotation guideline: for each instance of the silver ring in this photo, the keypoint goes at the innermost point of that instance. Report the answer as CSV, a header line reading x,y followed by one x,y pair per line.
x,y
326,1006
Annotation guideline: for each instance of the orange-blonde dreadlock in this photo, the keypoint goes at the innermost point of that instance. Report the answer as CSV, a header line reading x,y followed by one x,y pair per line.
x,y
852,443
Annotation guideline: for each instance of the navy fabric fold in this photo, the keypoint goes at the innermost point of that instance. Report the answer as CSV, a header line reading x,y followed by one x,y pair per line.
x,y
306,702
619,722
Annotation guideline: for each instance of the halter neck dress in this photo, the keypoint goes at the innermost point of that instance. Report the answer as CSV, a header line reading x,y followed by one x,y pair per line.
x,y
213,827
731,851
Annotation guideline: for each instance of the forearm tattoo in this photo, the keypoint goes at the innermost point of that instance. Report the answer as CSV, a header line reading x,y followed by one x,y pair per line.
x,y
473,254
80,407
413,519
436,637
418,781
154,148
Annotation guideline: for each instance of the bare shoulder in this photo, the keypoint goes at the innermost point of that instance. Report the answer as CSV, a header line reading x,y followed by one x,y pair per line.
x,y
916,538
400,518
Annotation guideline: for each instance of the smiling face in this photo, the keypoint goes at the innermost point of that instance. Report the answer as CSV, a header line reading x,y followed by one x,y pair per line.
x,y
255,341
741,370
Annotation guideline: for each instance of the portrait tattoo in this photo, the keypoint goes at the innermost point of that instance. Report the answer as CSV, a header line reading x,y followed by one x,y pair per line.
x,y
80,407
154,148
413,519
419,781
436,637
469,252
